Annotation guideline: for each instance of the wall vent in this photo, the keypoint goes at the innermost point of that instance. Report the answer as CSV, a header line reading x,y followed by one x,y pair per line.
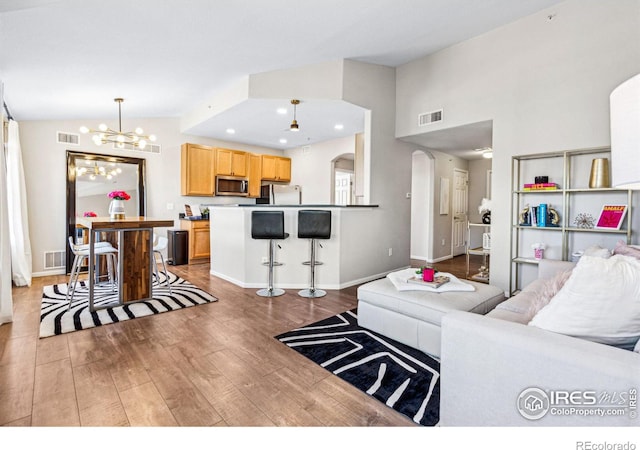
x,y
54,259
429,118
63,137
149,148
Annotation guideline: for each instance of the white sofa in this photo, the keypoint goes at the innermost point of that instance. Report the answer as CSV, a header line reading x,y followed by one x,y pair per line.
x,y
489,361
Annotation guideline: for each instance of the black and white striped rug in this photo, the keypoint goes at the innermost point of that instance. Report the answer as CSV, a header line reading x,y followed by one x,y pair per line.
x,y
56,318
399,376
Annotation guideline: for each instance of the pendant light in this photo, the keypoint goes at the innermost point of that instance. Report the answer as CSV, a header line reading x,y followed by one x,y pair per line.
x,y
294,124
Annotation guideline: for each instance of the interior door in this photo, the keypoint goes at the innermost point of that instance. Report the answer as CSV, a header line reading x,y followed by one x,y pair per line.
x,y
460,210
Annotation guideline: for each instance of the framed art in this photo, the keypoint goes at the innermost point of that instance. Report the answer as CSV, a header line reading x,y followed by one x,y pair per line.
x,y
611,217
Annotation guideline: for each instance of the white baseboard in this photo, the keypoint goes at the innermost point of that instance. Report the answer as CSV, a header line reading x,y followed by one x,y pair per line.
x,y
49,273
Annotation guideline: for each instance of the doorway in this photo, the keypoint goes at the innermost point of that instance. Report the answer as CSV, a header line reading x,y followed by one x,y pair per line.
x,y
460,207
343,170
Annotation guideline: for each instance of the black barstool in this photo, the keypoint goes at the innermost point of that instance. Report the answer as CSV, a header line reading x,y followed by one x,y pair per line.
x,y
269,225
313,224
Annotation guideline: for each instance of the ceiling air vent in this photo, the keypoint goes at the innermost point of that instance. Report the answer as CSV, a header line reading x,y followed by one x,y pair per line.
x,y
429,118
68,138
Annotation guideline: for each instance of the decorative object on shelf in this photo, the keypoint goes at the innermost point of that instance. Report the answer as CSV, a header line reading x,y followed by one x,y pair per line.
x,y
485,210
538,250
584,220
486,241
90,214
575,256
611,217
542,179
120,138
531,216
540,187
205,212
116,207
599,177
542,215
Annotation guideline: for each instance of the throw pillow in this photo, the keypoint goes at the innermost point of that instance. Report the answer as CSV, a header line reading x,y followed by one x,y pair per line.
x,y
546,292
596,250
622,248
600,302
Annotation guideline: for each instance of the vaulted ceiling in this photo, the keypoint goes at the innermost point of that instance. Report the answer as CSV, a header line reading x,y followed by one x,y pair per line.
x,y
68,59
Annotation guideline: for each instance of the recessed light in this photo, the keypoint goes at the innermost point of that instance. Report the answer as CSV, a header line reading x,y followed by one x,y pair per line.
x,y
231,131
283,141
281,110
339,126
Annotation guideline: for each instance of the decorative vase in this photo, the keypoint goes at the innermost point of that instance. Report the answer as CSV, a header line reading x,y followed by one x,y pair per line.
x,y
116,209
599,177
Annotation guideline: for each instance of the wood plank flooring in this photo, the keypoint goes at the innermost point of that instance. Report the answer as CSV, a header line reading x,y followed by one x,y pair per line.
x,y
210,365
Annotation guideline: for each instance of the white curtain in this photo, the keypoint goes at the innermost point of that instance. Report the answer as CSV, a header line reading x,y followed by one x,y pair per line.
x,y
6,301
18,220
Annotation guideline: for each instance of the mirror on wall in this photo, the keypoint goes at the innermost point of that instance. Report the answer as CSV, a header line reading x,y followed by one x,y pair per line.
x,y
90,179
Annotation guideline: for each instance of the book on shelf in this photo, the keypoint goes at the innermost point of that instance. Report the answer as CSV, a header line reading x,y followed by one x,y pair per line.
x,y
540,187
611,217
438,281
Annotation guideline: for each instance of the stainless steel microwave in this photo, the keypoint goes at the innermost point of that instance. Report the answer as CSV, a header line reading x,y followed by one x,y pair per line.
x,y
236,186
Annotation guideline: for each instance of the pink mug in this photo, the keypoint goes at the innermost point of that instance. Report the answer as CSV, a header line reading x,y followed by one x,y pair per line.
x,y
427,274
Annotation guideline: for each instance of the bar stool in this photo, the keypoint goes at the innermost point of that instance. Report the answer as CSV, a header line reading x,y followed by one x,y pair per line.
x,y
81,253
313,224
269,225
159,245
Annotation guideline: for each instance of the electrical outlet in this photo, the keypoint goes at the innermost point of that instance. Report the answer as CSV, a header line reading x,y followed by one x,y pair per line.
x,y
443,241
390,251
408,195
265,259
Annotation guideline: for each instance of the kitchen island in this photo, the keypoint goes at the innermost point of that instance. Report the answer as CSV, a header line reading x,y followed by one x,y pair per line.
x,y
358,250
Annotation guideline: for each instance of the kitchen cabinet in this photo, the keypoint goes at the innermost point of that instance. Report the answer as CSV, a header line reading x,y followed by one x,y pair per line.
x,y
197,176
231,162
276,168
199,239
255,172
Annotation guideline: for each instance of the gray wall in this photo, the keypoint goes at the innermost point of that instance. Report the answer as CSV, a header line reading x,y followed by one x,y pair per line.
x,y
544,83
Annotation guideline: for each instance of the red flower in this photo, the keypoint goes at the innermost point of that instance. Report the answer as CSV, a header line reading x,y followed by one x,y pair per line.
x,y
119,195
90,214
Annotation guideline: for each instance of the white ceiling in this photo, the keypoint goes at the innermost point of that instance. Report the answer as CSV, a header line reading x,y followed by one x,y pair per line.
x,y
68,59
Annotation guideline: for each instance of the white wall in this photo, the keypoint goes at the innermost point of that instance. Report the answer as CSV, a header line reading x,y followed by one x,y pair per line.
x,y
45,174
544,83
311,167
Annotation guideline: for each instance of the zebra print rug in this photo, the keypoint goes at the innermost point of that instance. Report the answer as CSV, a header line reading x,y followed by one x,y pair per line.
x,y
399,376
56,318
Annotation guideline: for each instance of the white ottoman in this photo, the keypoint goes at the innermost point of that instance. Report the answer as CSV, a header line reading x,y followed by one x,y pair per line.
x,y
413,317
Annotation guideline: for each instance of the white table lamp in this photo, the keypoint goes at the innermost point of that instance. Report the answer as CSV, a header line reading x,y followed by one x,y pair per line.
x,y
625,134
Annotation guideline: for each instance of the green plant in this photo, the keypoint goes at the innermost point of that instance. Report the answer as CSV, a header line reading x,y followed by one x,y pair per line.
x,y
420,269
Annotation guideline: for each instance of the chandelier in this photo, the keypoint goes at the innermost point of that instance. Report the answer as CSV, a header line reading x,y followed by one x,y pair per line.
x,y
98,171
104,134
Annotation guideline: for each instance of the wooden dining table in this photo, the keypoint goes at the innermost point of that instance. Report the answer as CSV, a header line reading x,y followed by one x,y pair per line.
x,y
135,255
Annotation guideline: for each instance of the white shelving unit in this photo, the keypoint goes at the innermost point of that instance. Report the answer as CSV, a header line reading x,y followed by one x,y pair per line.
x,y
570,170
482,276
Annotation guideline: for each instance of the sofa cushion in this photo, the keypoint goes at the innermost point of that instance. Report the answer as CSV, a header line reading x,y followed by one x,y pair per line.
x,y
600,302
622,248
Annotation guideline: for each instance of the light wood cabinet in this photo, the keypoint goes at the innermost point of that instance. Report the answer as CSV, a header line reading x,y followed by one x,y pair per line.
x,y
197,175
276,168
231,162
199,240
255,172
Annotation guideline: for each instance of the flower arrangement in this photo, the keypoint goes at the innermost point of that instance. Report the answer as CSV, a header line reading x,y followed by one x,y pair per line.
x,y
119,195
90,214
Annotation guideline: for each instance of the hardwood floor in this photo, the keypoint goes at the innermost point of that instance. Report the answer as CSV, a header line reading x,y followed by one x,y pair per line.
x,y
210,365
